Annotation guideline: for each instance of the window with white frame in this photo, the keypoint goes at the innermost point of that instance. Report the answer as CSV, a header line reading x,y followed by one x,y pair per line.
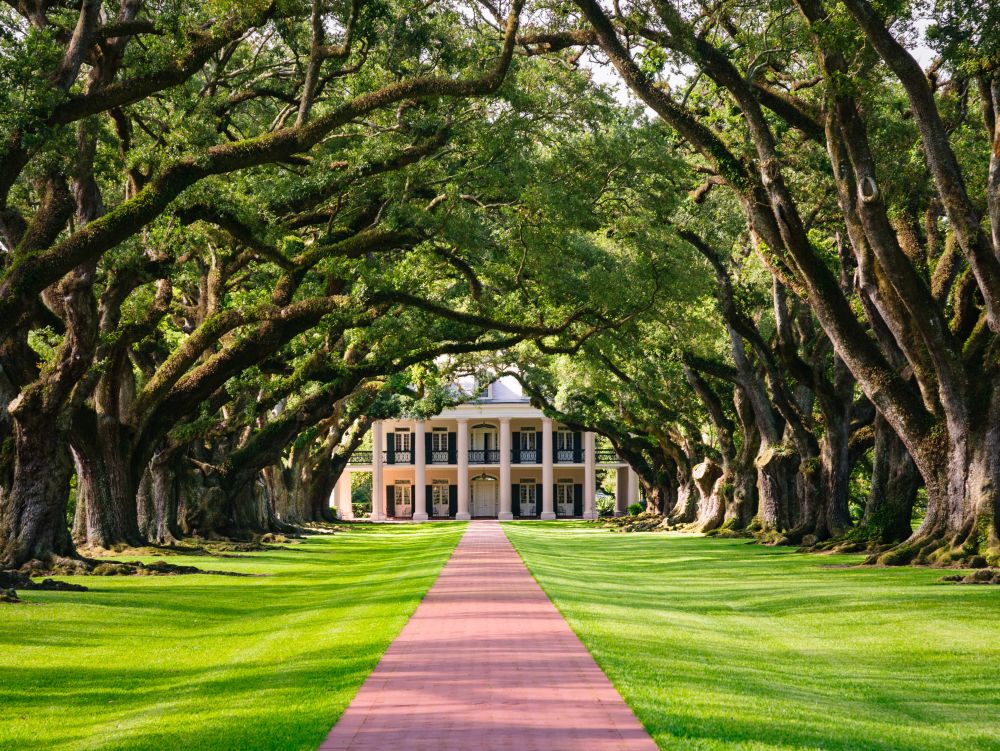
x,y
404,499
564,446
564,498
529,446
439,497
404,446
439,446
528,492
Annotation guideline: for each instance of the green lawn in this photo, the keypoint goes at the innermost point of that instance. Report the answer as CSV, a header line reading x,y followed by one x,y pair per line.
x,y
717,644
213,662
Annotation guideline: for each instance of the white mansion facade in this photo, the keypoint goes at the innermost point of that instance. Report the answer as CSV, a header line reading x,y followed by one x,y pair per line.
x,y
494,457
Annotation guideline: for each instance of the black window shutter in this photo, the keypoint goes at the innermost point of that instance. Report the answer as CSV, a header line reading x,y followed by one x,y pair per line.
x,y
452,448
390,448
515,499
515,443
390,500
578,500
577,447
428,456
429,499
452,500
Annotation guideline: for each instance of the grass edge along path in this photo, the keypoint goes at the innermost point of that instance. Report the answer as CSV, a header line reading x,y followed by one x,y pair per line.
x,y
721,645
214,662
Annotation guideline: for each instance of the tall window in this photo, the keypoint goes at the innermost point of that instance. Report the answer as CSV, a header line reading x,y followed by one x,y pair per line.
x,y
564,446
404,499
528,493
529,446
439,497
404,446
439,446
564,498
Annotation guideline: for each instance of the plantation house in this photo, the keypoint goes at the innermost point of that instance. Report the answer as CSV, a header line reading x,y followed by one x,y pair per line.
x,y
494,457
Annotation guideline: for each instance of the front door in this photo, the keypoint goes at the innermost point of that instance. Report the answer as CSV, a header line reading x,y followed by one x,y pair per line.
x,y
439,497
404,500
529,497
564,499
484,498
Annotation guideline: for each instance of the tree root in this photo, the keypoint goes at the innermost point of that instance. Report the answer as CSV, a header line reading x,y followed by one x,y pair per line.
x,y
58,566
11,581
934,550
980,576
728,529
644,522
157,568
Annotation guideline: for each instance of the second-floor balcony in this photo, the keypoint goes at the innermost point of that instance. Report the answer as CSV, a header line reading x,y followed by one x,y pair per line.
x,y
486,456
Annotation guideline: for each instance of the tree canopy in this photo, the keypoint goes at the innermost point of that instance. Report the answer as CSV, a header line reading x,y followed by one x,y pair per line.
x,y
755,246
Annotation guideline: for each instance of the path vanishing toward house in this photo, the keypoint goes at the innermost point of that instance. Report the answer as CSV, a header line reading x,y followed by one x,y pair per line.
x,y
487,662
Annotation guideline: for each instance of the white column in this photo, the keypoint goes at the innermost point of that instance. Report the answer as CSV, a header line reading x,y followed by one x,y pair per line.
x,y
505,488
633,486
548,510
463,470
378,491
343,494
589,476
419,473
621,492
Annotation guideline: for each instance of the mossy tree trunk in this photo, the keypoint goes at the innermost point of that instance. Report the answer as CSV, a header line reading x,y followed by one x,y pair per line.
x,y
894,483
34,495
962,524
104,477
33,506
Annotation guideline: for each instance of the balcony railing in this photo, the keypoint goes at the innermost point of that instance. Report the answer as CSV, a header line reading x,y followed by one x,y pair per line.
x,y
397,457
490,456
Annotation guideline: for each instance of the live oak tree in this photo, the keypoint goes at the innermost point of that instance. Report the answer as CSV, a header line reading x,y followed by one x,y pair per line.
x,y
232,233
197,194
830,135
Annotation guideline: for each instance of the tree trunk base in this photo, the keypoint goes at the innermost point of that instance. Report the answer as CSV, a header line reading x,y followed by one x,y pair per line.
x,y
961,551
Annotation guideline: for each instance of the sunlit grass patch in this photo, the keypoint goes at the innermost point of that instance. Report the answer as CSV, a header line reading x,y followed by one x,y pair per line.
x,y
214,662
720,644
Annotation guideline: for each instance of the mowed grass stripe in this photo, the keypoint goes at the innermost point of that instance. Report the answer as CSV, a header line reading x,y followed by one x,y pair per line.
x,y
213,662
719,644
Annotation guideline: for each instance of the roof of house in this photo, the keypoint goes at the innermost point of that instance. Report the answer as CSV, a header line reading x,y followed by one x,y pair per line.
x,y
505,390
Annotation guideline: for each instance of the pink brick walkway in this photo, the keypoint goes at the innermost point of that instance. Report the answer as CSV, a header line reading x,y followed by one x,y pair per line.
x,y
487,663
